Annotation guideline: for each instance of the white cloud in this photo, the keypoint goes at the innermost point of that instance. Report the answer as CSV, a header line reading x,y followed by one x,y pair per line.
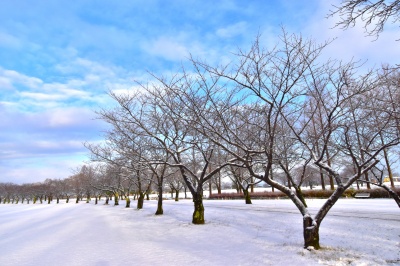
x,y
232,30
9,41
5,83
122,89
57,145
167,48
67,90
68,116
14,77
86,86
7,104
52,166
86,67
42,96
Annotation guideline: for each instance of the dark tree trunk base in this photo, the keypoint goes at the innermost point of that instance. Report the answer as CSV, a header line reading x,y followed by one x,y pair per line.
x,y
247,197
116,200
198,214
311,233
160,210
140,201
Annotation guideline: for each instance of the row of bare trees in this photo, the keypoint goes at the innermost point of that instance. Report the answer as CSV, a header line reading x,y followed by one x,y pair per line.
x,y
89,182
282,112
47,191
272,112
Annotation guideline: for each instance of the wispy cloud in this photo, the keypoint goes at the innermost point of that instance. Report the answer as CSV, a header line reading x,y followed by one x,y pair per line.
x,y
233,30
167,48
12,77
9,41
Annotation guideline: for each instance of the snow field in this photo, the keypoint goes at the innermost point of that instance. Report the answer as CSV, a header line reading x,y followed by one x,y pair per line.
x,y
268,232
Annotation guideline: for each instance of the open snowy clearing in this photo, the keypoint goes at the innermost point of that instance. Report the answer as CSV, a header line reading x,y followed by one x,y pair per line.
x,y
268,232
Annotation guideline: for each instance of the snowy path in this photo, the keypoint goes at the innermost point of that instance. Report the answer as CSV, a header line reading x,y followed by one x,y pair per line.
x,y
267,232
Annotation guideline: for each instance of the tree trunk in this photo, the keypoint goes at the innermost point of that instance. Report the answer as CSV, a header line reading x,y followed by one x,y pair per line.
x,y
77,199
58,200
116,199
128,202
247,196
67,199
95,201
331,181
311,233
177,195
322,179
140,200
389,168
271,174
367,179
219,183
107,199
198,214
160,210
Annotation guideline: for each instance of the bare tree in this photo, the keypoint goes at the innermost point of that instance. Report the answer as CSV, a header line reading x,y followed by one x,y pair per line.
x,y
389,100
243,180
280,81
175,183
162,113
374,14
62,189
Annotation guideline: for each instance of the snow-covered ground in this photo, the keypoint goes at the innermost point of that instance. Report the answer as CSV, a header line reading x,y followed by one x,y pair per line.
x,y
268,232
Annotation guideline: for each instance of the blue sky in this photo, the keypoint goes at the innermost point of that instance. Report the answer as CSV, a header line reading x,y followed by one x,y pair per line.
x,y
59,58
